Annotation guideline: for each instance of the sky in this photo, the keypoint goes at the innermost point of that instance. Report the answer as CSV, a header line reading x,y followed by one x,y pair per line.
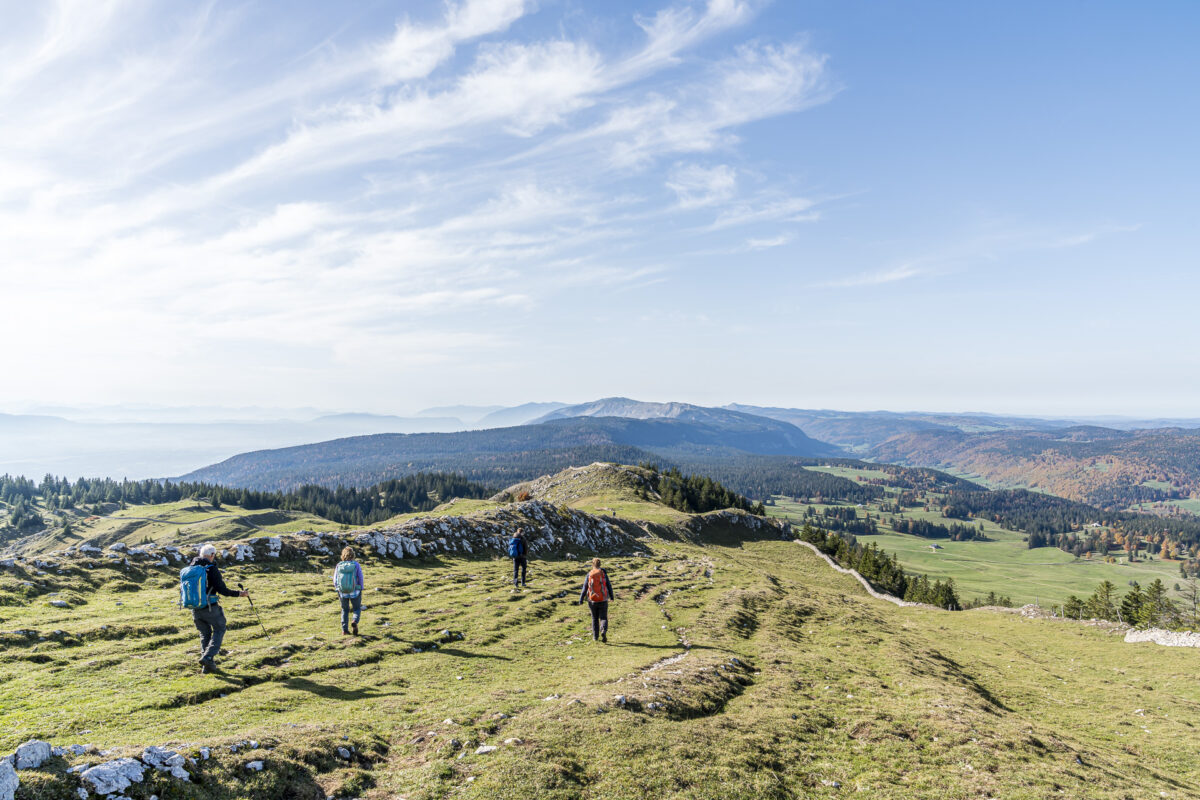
x,y
381,207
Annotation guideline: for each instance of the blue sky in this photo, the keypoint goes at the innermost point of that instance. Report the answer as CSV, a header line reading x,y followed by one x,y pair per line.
x,y
387,206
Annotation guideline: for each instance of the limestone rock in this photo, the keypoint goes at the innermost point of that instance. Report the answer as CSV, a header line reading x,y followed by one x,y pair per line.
x,y
8,781
254,766
484,749
166,760
32,754
114,776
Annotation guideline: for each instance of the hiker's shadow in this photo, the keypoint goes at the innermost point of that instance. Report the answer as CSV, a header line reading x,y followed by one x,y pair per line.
x,y
335,692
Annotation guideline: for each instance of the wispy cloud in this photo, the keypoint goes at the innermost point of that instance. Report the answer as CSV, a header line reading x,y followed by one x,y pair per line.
x,y
182,184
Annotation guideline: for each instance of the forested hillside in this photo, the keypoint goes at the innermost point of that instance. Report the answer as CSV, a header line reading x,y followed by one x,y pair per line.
x,y
1100,466
504,455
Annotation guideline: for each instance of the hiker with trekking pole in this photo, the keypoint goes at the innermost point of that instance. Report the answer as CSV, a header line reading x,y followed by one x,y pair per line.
x,y
201,589
597,590
516,551
348,580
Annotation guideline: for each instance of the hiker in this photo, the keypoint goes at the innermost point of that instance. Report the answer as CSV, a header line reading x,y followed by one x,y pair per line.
x,y
200,589
348,580
597,588
516,551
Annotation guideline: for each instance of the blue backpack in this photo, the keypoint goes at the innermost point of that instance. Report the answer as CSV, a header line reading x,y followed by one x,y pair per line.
x,y
193,587
516,547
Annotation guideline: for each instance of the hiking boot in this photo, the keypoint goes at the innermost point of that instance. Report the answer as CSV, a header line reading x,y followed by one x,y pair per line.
x,y
604,637
345,631
354,628
207,667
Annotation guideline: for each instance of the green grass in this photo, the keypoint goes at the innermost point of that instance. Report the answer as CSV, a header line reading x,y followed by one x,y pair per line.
x,y
1004,564
182,522
857,474
828,685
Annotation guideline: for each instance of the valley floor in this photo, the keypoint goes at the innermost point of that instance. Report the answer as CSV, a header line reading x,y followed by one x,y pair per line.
x,y
750,671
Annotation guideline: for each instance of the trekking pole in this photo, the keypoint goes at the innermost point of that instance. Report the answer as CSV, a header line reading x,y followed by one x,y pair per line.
x,y
256,616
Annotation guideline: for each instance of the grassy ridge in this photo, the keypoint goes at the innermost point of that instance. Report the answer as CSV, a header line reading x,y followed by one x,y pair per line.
x,y
794,681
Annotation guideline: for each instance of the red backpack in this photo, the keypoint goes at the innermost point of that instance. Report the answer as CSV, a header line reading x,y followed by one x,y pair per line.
x,y
597,586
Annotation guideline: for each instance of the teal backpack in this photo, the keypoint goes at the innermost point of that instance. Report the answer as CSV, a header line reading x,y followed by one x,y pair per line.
x,y
193,587
347,577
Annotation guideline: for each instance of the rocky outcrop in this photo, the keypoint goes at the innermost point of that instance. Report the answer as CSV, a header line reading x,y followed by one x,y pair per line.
x,y
1163,637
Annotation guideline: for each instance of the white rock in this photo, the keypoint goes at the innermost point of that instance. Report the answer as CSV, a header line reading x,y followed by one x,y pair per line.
x,y
484,749
254,766
82,792
205,753
60,604
33,754
166,760
114,776
513,741
8,781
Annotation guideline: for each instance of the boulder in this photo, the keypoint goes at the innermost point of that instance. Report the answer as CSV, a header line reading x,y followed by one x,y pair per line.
x,y
254,766
32,754
484,749
8,781
114,776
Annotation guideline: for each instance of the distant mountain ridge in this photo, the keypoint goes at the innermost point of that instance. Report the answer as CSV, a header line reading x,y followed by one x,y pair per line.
x,y
500,456
788,438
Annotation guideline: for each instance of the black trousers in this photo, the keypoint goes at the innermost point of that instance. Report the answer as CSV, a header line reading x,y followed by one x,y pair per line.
x,y
599,617
521,565
210,621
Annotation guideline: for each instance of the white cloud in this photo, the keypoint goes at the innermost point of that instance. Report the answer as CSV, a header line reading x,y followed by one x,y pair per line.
x,y
180,186
697,186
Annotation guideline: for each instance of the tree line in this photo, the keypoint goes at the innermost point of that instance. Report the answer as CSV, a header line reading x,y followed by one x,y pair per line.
x,y
881,570
350,506
1145,608
697,494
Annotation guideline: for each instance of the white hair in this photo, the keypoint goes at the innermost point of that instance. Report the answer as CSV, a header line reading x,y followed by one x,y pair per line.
x,y
207,551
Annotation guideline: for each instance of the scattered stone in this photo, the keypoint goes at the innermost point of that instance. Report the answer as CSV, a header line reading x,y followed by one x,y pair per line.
x,y
620,700
455,744
343,753
32,754
82,792
551,697
254,766
60,604
514,741
205,753
484,749
832,784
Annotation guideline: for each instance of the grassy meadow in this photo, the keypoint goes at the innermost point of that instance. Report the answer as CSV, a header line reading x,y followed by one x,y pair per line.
x,y
1004,564
748,671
